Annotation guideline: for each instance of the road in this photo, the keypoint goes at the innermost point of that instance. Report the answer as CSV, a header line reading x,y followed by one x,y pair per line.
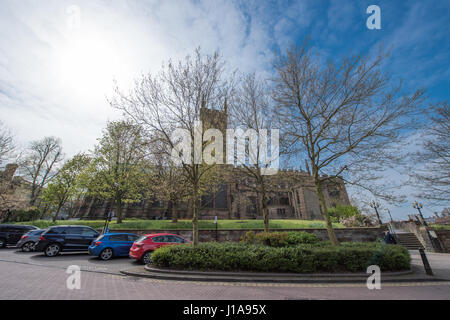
x,y
33,276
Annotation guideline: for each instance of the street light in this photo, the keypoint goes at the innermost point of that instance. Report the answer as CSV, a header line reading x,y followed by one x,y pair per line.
x,y
376,205
389,211
418,206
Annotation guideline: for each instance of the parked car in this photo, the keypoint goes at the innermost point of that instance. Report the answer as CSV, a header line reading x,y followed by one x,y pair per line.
x,y
143,248
66,238
29,240
112,245
10,233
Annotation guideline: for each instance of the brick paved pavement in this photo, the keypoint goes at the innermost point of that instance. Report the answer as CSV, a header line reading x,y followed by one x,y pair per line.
x,y
24,281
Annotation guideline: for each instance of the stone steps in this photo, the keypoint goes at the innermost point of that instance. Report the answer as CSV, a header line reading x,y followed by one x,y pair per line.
x,y
409,240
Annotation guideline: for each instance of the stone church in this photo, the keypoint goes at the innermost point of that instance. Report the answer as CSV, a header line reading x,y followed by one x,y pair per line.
x,y
237,200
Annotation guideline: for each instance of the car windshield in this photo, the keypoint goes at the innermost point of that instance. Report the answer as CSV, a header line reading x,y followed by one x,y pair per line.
x,y
99,238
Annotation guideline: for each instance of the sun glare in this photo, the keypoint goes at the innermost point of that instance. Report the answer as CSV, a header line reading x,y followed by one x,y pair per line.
x,y
87,64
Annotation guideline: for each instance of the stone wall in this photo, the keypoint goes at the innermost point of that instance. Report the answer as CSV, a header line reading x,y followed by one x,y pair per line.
x,y
14,190
444,238
344,234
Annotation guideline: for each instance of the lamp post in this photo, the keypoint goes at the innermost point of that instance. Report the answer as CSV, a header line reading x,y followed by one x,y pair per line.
x,y
376,205
389,211
418,206
216,223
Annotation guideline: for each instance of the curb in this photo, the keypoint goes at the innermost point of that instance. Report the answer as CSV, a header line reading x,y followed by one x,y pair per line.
x,y
270,274
198,276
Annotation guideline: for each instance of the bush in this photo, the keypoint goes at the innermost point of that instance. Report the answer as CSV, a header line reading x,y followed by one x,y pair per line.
x,y
23,215
279,239
304,258
339,212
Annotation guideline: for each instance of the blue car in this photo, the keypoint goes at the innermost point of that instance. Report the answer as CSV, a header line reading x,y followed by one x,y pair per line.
x,y
111,245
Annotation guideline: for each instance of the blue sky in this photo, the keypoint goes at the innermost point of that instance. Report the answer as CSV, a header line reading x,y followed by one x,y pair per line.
x,y
55,74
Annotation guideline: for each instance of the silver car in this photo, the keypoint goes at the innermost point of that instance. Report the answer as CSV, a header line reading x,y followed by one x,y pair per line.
x,y
29,240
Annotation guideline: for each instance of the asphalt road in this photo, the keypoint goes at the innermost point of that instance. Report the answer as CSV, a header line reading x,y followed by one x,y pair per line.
x,y
34,276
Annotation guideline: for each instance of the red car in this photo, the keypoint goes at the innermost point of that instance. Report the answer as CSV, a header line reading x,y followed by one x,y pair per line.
x,y
144,246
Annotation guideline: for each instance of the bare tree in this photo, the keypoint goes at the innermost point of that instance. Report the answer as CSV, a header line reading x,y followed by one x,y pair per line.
x,y
251,112
174,99
40,164
7,145
7,148
434,158
342,116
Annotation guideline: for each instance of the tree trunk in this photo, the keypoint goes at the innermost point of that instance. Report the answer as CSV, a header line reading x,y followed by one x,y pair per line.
x,y
119,211
265,211
323,207
195,216
57,213
174,212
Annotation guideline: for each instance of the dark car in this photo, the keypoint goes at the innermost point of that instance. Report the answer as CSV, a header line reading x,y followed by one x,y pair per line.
x,y
10,234
65,239
29,240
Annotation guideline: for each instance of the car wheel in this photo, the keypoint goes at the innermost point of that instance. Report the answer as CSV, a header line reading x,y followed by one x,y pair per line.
x,y
2,243
106,254
147,257
28,246
52,250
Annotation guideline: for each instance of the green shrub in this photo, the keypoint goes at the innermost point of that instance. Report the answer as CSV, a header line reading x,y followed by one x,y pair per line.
x,y
295,238
23,215
339,212
279,239
303,258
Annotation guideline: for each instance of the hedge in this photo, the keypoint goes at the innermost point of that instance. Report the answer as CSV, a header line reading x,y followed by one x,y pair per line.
x,y
307,258
280,239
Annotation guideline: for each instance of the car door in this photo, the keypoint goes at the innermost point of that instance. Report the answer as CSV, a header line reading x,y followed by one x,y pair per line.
x,y
165,241
88,235
15,233
158,242
120,244
131,238
73,239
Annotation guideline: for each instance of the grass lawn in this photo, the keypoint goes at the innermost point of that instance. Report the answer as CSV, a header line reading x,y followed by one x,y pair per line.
x,y
441,226
135,224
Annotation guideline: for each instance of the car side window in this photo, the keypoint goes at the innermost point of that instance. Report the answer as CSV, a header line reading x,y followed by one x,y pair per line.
x,y
77,231
158,239
118,237
132,238
88,232
54,231
178,239
171,239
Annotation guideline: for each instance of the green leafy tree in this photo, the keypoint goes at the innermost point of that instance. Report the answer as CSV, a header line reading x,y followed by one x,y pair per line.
x,y
65,186
167,181
117,171
339,212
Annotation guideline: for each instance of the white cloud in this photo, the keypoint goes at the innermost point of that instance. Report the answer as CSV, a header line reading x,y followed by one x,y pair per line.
x,y
54,80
